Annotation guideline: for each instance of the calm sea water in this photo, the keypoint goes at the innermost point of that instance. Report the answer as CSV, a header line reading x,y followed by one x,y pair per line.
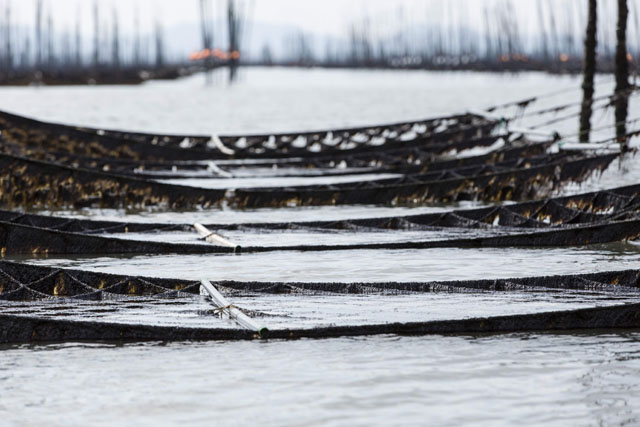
x,y
499,380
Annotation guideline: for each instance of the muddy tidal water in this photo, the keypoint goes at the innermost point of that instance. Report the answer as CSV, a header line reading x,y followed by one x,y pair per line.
x,y
524,379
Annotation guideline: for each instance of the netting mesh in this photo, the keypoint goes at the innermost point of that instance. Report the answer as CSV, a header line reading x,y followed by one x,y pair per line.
x,y
21,282
407,160
447,129
592,218
587,208
27,282
514,184
517,172
68,139
29,183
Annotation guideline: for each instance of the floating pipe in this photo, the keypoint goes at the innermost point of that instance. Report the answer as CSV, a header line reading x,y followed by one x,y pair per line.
x,y
214,168
613,147
221,147
234,313
214,238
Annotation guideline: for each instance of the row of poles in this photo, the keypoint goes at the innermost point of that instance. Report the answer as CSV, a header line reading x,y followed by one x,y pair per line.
x,y
452,37
47,48
463,34
622,88
503,40
237,24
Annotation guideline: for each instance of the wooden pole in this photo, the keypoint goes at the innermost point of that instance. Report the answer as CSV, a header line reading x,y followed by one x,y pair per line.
x,y
622,75
96,35
78,43
8,41
590,45
38,41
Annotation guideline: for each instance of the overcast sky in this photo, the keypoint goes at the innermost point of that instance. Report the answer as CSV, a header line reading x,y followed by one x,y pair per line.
x,y
321,16
330,17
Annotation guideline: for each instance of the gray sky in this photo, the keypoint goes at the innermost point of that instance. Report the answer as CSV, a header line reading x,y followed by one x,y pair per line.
x,y
318,16
321,16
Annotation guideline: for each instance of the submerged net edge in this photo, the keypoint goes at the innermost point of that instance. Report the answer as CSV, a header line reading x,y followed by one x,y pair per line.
x,y
23,329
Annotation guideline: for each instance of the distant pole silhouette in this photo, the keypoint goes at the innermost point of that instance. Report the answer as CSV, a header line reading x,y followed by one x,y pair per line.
x,y
8,41
207,35
78,44
137,44
115,61
96,35
234,34
39,35
159,42
51,58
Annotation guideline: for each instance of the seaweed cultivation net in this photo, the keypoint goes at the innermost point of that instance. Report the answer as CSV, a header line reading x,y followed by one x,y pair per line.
x,y
21,239
515,184
28,283
301,143
61,138
591,218
415,160
517,172
29,183
588,208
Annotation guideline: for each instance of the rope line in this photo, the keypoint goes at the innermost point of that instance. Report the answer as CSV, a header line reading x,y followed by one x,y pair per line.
x,y
539,97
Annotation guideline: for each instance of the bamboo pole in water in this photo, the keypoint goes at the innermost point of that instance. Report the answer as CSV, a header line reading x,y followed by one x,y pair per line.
x,y
96,35
159,44
206,27
622,75
78,37
590,45
115,43
233,23
8,50
51,55
137,42
38,41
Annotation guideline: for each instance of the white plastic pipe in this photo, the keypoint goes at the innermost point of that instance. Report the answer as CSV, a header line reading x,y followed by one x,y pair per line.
x,y
213,238
221,147
213,167
579,146
235,314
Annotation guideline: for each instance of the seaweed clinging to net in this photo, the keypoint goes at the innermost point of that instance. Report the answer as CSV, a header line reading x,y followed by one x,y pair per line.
x,y
22,239
580,209
407,160
515,184
442,129
30,282
29,183
591,218
22,282
591,208
69,139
